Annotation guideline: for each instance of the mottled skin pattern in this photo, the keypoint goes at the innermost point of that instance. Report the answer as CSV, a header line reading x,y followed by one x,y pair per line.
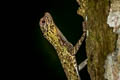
x,y
65,49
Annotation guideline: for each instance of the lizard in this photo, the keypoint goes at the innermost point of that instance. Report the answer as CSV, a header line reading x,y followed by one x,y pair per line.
x,y
65,50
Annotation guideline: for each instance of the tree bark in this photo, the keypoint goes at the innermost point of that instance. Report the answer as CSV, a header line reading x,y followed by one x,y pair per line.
x,y
100,38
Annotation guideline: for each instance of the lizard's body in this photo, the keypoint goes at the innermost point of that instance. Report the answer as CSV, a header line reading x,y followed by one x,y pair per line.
x,y
65,49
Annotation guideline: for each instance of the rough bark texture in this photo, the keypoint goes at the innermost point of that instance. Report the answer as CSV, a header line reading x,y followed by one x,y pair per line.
x,y
100,40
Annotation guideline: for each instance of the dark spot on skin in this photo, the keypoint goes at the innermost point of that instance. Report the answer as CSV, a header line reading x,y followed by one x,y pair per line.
x,y
74,70
64,62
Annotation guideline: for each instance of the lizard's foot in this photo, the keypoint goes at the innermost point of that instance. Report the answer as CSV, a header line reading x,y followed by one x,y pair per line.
x,y
82,65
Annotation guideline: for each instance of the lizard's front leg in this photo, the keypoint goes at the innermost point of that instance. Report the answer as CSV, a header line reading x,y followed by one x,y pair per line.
x,y
79,43
77,46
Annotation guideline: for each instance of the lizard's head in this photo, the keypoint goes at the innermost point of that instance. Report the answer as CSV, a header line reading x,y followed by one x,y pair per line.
x,y
47,26
45,22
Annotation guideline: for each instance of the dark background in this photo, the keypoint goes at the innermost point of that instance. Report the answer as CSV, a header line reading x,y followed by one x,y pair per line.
x,y
44,62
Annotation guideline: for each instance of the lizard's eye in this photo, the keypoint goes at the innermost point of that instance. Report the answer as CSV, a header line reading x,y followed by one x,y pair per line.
x,y
43,21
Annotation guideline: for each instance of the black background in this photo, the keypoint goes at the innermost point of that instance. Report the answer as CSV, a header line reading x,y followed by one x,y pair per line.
x,y
43,63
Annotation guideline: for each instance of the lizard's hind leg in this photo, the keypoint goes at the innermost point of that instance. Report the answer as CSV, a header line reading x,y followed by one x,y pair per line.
x,y
82,65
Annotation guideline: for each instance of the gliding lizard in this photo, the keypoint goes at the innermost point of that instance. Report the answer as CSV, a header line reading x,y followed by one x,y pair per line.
x,y
65,50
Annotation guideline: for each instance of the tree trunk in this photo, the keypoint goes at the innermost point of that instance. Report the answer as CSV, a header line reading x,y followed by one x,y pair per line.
x,y
100,38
